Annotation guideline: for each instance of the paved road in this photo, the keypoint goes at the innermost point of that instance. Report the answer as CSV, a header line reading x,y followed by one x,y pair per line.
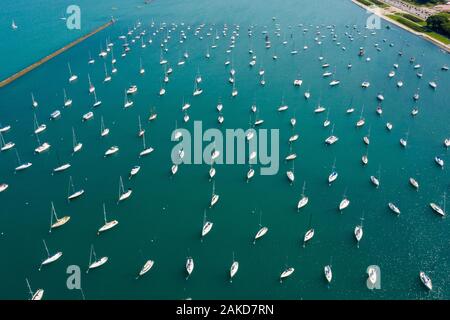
x,y
421,12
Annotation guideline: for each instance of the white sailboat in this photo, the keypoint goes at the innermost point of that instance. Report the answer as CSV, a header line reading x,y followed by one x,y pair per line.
x,y
426,281
189,266
4,146
394,208
134,171
358,232
72,194
262,230
76,145
214,196
108,224
103,130
234,268
58,221
310,233
207,225
145,151
67,101
34,103
344,203
91,86
50,258
127,103
107,76
141,130
41,147
96,102
93,261
333,175
122,194
146,268
22,166
72,77
38,295
290,174
438,209
332,138
286,273
112,150
304,199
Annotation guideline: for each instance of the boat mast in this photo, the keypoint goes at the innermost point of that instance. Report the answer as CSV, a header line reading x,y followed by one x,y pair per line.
x,y
104,212
46,249
29,287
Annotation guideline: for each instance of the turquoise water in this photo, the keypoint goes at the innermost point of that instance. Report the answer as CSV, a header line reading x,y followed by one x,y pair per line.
x,y
163,218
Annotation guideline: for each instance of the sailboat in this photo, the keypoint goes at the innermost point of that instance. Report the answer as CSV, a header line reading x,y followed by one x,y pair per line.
x,y
332,138
359,231
333,175
112,150
76,145
328,272
22,166
212,171
96,102
344,203
394,208
189,266
91,60
41,147
49,258
414,183
425,280
34,103
365,157
141,68
288,271
366,138
304,199
234,91
146,150
103,130
207,225
72,76
5,145
94,263
290,174
107,76
376,179
67,101
141,131
127,103
404,141
437,208
153,114
361,120
108,224
250,173
36,295
61,167
134,171
72,194
14,25
59,221
146,268
262,230
91,86
122,194
214,196
197,90
310,233
234,268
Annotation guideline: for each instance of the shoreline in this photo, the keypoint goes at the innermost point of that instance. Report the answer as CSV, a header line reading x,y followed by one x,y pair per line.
x,y
380,12
33,66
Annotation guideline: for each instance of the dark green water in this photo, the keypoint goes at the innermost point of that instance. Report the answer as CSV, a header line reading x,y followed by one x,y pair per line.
x,y
163,218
